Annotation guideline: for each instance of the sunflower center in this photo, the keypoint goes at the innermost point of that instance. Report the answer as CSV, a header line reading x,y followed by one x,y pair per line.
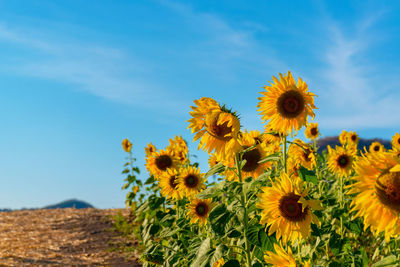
x,y
291,209
220,130
306,154
353,137
201,209
163,162
172,182
291,104
343,161
252,158
387,189
191,181
314,131
398,141
376,148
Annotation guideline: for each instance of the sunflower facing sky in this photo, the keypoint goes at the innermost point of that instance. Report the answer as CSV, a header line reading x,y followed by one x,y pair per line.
x,y
252,167
286,105
199,210
126,145
190,181
376,147
285,209
340,160
377,189
396,141
159,162
312,131
169,184
280,258
215,126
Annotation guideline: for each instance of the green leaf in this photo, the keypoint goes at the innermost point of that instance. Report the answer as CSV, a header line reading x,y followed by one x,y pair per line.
x,y
257,264
215,169
219,217
234,233
232,263
387,261
212,191
149,180
272,157
364,255
202,254
307,175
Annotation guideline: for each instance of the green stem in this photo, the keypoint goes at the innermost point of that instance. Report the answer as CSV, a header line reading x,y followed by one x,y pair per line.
x,y
284,154
244,205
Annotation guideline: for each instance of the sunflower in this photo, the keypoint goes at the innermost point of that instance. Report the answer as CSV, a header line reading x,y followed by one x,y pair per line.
x,y
376,147
286,104
252,167
303,154
340,160
352,139
179,148
215,126
126,145
280,258
150,149
190,181
396,141
285,209
312,131
169,184
377,189
159,162
219,263
343,138
199,210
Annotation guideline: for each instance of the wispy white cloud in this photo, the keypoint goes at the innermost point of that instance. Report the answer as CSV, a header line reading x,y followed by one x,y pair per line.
x,y
352,84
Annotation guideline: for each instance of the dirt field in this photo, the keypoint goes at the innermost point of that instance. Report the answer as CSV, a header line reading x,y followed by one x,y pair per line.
x,y
61,237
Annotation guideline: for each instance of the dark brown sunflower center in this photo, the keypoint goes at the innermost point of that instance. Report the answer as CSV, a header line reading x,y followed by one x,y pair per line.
x,y
220,130
353,137
376,148
291,104
252,158
398,141
306,154
291,209
191,181
343,161
387,189
314,131
163,162
172,182
201,209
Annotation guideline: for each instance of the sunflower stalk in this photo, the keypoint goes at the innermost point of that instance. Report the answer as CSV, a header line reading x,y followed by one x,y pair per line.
x,y
243,201
284,153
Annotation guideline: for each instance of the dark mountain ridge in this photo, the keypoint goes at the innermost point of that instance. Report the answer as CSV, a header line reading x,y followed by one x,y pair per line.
x,y
70,203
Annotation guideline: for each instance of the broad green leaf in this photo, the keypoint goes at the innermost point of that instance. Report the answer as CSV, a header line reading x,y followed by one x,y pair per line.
x,y
215,169
202,253
387,261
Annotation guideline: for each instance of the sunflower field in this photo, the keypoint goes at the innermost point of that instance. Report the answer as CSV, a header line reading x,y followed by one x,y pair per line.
x,y
269,198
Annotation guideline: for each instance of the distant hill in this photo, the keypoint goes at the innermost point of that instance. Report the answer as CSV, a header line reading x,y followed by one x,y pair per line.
x,y
334,140
71,203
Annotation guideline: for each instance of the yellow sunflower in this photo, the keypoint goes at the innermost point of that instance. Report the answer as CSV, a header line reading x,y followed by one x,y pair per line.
x,y
159,162
343,138
396,141
285,209
169,184
199,210
219,263
286,105
179,148
280,258
215,126
303,154
252,167
126,145
150,149
376,147
312,131
340,160
377,189
352,139
190,181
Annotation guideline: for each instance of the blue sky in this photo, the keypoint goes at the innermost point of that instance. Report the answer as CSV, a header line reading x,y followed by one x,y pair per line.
x,y
76,77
